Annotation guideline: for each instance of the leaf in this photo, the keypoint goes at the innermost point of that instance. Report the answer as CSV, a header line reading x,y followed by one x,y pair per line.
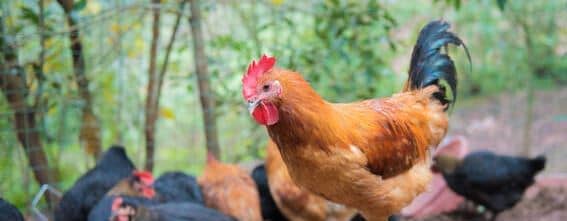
x,y
30,15
501,4
94,7
457,4
115,28
277,2
167,113
79,5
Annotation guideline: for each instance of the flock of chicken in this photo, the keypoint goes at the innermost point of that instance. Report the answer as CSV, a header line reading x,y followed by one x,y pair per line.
x,y
325,161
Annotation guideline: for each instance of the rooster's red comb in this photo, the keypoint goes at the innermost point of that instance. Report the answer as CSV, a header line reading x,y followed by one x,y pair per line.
x,y
117,203
144,176
255,70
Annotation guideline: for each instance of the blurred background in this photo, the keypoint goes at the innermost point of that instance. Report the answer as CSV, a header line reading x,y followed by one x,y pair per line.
x,y
78,76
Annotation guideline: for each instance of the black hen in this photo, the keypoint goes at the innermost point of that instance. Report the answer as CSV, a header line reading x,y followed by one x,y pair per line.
x,y
124,209
428,65
359,217
9,212
103,208
77,202
269,208
178,187
493,181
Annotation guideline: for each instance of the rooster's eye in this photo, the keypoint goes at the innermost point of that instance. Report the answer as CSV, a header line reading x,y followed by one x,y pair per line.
x,y
266,87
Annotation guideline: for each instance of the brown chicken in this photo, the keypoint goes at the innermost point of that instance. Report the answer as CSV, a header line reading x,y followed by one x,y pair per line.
x,y
140,183
231,190
371,155
298,204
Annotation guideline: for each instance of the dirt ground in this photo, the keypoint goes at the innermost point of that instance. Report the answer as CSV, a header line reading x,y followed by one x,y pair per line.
x,y
548,205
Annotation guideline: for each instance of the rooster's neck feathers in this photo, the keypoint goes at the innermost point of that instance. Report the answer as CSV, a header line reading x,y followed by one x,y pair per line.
x,y
302,109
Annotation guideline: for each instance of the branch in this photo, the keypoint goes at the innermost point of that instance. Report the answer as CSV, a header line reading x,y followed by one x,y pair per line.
x,y
249,19
169,47
38,71
14,89
90,128
205,93
151,111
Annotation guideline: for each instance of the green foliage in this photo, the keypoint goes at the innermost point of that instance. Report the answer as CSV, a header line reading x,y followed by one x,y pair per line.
x,y
30,15
501,4
79,5
457,3
348,35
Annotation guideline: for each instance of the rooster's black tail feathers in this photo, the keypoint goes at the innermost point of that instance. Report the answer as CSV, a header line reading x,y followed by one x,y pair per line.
x,y
429,66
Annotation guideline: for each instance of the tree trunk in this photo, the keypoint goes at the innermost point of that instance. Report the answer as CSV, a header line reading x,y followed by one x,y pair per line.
x,y
90,129
527,131
14,88
205,93
156,81
151,99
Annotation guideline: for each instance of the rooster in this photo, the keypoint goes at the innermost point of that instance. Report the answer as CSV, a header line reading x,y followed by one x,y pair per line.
x,y
296,203
371,155
140,183
231,190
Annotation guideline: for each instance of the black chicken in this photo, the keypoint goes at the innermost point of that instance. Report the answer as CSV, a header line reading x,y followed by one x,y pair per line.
x,y
125,210
269,208
9,211
77,202
359,217
178,187
103,208
494,181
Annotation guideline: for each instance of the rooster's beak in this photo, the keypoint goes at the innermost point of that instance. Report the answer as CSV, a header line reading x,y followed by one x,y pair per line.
x,y
252,104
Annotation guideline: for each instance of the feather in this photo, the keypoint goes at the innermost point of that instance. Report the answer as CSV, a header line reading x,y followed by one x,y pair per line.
x,y
429,66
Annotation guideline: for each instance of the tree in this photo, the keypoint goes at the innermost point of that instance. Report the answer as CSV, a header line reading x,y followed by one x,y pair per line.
x,y
206,95
15,90
90,129
156,81
151,99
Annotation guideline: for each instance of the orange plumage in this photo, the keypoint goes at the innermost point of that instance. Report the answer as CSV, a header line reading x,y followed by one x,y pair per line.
x,y
231,190
296,203
370,155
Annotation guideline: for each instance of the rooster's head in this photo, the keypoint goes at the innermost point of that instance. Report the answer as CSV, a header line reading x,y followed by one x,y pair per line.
x,y
261,92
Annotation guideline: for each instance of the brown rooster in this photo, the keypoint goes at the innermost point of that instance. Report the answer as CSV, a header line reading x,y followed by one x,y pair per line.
x,y
231,190
296,203
371,155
